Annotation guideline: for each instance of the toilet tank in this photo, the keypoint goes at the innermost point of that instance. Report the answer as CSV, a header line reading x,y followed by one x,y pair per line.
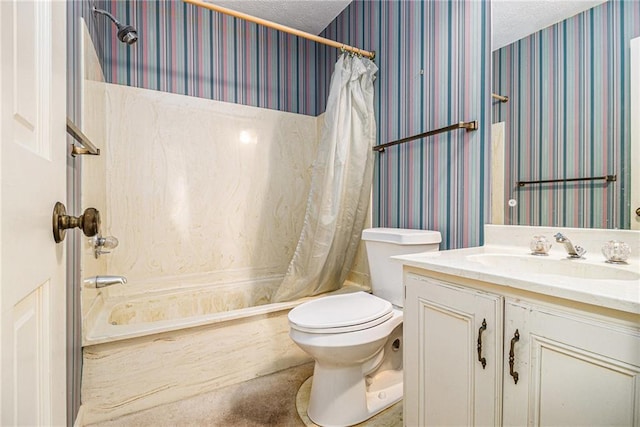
x,y
381,243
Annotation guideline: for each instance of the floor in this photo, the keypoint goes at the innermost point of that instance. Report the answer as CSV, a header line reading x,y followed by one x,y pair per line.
x,y
264,401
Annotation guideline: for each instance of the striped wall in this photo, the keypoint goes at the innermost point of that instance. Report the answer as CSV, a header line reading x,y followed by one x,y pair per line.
x,y
434,59
192,51
568,116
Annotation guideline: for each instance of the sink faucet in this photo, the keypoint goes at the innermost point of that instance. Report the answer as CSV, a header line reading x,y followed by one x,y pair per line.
x,y
573,251
102,281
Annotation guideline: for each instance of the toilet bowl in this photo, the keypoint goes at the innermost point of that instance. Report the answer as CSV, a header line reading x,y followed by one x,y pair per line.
x,y
356,338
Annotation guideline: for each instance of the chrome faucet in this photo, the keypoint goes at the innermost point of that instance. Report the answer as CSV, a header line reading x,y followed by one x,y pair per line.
x,y
102,281
574,251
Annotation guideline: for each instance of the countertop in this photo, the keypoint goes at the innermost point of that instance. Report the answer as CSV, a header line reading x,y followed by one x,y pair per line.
x,y
617,294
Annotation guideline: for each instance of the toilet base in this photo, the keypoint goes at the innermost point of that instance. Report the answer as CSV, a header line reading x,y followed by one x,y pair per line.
x,y
340,395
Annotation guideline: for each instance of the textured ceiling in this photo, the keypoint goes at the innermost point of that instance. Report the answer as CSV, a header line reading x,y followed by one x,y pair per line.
x,y
511,21
311,16
515,19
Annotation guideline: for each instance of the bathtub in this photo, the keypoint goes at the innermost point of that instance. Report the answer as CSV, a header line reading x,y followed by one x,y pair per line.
x,y
144,350
173,308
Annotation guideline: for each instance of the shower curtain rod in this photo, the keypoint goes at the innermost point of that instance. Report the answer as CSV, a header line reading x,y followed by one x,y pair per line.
x,y
280,27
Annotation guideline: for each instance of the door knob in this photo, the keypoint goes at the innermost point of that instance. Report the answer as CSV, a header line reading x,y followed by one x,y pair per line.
x,y
638,211
88,222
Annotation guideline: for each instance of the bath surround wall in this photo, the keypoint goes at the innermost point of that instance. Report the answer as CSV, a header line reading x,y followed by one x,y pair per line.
x,y
197,190
224,203
200,187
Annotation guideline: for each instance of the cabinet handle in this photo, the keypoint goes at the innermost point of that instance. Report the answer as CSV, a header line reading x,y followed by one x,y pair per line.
x,y
480,358
514,340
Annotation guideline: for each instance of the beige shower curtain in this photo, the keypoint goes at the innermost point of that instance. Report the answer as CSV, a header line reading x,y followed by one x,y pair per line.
x,y
340,185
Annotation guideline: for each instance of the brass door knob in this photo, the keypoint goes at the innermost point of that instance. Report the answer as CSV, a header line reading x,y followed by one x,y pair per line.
x,y
638,211
88,222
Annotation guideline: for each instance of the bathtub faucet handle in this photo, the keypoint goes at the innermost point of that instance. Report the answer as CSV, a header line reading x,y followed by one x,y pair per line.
x,y
102,281
99,244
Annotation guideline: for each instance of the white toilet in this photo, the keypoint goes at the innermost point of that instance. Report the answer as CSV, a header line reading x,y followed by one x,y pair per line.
x,y
356,338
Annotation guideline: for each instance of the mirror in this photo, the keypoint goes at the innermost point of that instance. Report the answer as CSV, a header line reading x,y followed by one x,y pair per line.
x,y
568,116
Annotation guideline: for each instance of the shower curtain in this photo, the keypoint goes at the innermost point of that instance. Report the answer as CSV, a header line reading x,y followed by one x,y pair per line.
x,y
340,185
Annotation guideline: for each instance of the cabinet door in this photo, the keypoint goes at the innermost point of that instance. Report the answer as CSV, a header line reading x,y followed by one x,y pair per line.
x,y
445,383
572,370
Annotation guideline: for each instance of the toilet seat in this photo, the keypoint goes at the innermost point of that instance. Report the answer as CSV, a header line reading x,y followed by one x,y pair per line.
x,y
340,313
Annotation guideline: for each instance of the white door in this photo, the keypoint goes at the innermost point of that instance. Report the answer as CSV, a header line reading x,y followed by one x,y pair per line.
x,y
32,178
571,370
453,349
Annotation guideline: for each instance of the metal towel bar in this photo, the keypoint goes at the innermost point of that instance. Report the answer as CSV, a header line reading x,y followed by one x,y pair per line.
x,y
461,125
606,178
87,145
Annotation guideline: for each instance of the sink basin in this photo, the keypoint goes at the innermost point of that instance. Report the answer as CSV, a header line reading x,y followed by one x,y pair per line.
x,y
575,268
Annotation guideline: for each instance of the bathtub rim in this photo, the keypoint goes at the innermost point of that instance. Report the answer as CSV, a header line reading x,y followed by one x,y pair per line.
x,y
95,323
98,330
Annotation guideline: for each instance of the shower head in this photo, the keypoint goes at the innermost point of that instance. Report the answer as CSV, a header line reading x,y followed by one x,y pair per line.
x,y
126,33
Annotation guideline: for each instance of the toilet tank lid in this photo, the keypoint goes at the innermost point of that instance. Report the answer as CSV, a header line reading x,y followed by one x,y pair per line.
x,y
401,236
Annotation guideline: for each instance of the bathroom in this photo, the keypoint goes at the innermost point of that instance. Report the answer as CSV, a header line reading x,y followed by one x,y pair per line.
x,y
251,245
192,181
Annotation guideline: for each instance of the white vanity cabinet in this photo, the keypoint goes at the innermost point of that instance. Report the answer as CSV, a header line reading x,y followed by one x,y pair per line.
x,y
574,367
449,330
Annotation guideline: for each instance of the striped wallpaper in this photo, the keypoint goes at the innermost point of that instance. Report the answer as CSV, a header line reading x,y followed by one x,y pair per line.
x,y
568,116
434,59
192,51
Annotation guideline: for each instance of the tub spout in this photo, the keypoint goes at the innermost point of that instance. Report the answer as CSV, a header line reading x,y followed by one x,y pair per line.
x,y
102,281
